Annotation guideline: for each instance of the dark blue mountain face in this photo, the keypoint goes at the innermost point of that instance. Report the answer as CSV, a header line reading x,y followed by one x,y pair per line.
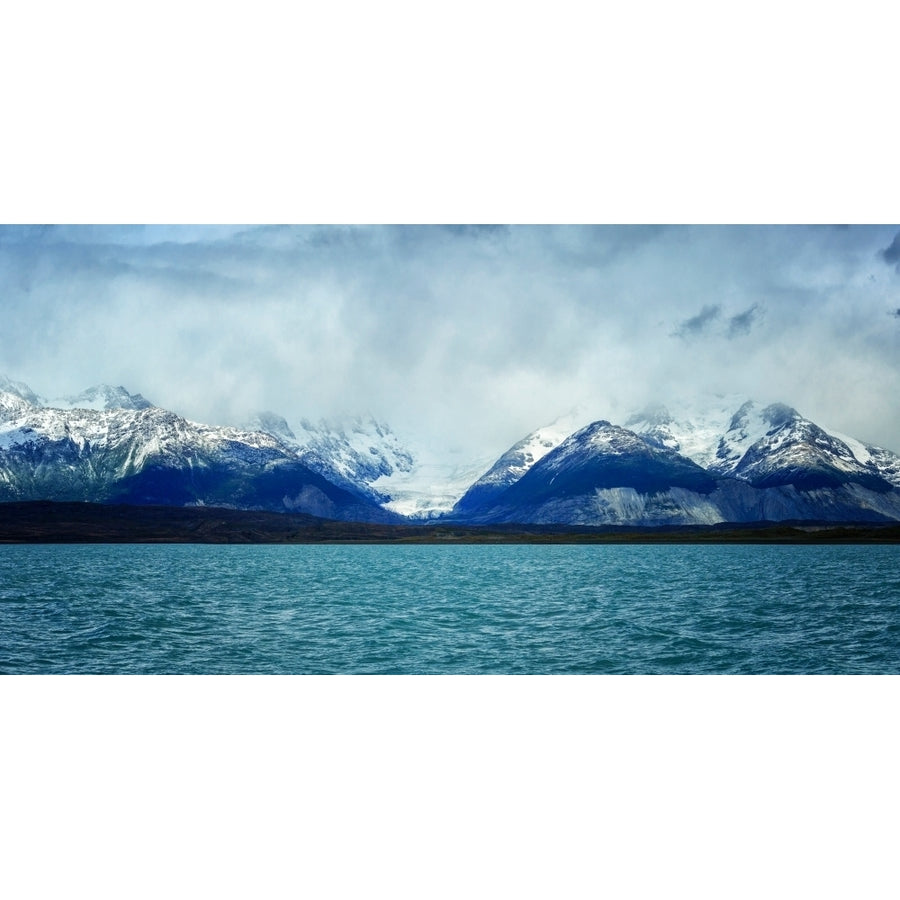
x,y
608,475
62,471
596,458
477,498
622,460
284,487
140,454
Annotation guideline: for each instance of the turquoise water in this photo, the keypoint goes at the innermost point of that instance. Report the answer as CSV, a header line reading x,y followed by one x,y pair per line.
x,y
439,609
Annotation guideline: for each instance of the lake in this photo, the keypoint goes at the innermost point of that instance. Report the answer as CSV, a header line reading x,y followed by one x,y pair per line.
x,y
468,609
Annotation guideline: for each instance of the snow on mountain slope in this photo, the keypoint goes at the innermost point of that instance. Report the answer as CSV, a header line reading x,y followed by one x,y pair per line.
x,y
731,460
793,450
150,455
763,443
694,433
13,406
883,462
693,430
106,443
603,455
355,452
272,424
100,397
607,475
516,461
19,389
407,478
431,487
361,450
144,431
603,474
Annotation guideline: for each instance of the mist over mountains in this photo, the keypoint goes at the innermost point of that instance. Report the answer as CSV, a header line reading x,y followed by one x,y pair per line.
x,y
726,460
462,339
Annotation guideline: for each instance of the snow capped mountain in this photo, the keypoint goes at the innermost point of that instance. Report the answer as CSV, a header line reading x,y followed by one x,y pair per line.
x,y
144,454
19,389
98,397
513,464
605,474
694,431
360,450
13,405
355,453
365,455
884,463
792,450
766,445
272,424
725,463
729,460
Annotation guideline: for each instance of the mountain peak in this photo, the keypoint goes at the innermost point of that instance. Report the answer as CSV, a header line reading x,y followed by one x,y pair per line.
x,y
654,414
271,423
780,414
19,389
741,417
101,397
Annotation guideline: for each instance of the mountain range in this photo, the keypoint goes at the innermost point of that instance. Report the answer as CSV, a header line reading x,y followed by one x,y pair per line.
x,y
110,446
728,460
756,463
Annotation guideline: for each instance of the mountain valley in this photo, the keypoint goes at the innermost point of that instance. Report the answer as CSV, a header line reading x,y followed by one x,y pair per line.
x,y
729,461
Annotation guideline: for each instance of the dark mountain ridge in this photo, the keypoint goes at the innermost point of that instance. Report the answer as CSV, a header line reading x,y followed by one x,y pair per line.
x,y
141,454
608,475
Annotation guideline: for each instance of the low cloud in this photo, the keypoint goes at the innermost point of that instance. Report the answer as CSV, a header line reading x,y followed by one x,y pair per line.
x,y
466,337
742,323
700,323
891,254
709,322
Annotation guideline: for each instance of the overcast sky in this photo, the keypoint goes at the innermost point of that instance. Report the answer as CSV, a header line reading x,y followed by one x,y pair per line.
x,y
466,337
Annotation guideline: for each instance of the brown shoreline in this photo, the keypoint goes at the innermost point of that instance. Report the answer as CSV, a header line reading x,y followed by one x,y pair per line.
x,y
51,522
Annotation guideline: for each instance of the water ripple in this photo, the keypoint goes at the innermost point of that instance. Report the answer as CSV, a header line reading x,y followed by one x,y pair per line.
x,y
464,609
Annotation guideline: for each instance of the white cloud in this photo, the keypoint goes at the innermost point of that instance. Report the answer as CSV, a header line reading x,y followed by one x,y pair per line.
x,y
472,336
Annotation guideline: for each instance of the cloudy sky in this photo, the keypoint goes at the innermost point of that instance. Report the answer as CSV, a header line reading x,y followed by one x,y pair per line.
x,y
464,337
